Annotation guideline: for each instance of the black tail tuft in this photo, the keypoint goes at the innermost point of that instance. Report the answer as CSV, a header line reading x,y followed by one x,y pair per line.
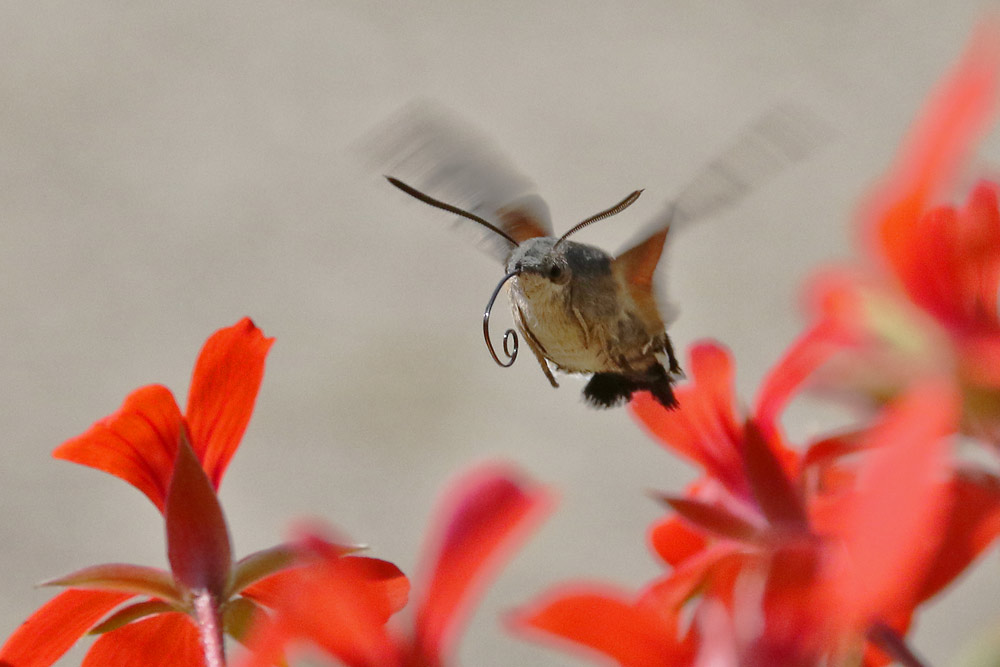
x,y
608,390
659,383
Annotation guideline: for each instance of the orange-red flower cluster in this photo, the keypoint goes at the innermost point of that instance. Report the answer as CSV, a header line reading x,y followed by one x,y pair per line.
x,y
822,553
782,558
482,518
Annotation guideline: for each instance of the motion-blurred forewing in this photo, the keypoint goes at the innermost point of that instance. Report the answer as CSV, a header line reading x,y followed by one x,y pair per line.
x,y
775,141
435,153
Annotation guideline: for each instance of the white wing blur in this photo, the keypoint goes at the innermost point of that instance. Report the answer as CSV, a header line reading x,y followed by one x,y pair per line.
x,y
432,151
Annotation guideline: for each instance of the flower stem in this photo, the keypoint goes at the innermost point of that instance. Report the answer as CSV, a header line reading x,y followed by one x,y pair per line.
x,y
209,620
889,641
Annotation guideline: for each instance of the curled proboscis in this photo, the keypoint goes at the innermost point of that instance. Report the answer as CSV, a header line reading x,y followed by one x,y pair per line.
x,y
510,340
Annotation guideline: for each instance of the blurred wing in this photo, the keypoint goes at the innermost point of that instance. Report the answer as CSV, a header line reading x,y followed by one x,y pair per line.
x,y
444,158
775,141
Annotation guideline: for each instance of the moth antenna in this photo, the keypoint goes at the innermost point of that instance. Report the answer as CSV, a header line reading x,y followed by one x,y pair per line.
x,y
417,194
614,210
509,336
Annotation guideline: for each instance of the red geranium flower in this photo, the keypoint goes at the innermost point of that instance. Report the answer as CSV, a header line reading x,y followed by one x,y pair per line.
x,y
785,559
177,461
139,442
840,547
482,519
745,493
926,302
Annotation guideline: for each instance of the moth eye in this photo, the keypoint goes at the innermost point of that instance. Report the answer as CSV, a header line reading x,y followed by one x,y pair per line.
x,y
558,274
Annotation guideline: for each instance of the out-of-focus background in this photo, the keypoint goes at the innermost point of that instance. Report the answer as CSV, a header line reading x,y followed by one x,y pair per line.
x,y
167,168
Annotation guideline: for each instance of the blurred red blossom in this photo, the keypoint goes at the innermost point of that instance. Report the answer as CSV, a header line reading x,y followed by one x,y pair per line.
x,y
823,556
778,558
924,300
482,519
180,615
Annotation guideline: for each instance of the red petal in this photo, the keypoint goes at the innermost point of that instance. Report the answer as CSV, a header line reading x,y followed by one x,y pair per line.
x,y
981,359
936,248
223,390
791,624
704,427
836,294
959,256
714,519
137,443
56,626
893,520
198,544
327,605
268,591
715,570
483,518
956,115
973,524
606,622
166,640
980,253
674,540
773,490
387,585
825,452
811,349
390,586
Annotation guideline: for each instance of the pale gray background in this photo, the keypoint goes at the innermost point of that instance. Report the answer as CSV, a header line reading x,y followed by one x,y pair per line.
x,y
166,168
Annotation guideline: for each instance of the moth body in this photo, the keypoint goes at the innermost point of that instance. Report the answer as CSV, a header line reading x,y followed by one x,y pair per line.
x,y
577,313
580,309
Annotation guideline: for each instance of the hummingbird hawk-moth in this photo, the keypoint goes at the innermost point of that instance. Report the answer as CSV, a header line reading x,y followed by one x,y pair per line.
x,y
580,309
